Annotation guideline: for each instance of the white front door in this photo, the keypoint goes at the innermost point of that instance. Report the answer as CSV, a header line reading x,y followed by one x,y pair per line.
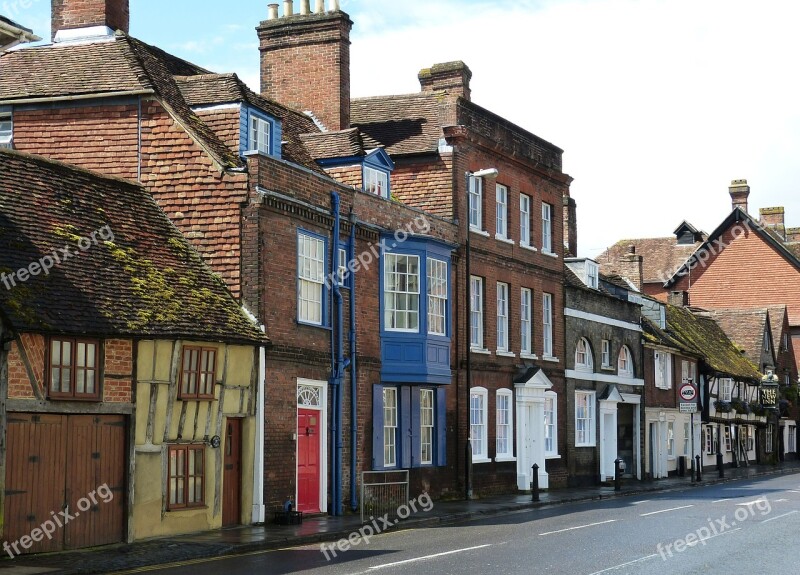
x,y
609,446
530,429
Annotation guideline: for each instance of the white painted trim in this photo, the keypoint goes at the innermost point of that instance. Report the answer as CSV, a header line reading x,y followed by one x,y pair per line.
x,y
504,459
480,351
605,378
524,355
504,239
503,353
528,247
85,35
212,107
576,313
550,358
323,451
550,254
480,233
481,460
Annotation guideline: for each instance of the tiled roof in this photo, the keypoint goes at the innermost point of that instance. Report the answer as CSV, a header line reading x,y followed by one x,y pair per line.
x,y
777,316
745,327
661,257
106,67
340,144
405,124
209,89
140,278
702,336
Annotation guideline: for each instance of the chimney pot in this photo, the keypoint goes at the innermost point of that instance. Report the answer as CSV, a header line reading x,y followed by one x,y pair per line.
x,y
305,7
334,5
288,8
739,191
632,249
272,12
319,7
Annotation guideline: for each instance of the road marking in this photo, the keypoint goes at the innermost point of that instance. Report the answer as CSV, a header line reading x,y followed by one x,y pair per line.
x,y
779,516
749,503
578,527
621,565
721,500
704,539
779,500
426,557
665,510
793,491
642,501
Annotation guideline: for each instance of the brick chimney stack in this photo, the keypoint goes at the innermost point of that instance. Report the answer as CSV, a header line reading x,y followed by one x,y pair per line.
x,y
305,60
631,266
451,77
739,191
570,215
773,218
678,298
72,14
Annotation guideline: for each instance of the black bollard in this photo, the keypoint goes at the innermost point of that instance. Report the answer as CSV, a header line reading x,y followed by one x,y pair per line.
x,y
697,466
468,470
618,474
720,464
535,483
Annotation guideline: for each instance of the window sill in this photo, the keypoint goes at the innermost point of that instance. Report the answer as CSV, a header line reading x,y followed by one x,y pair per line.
x,y
606,368
528,247
550,358
481,460
317,325
504,239
479,232
552,456
550,254
480,351
504,459
586,445
501,353
523,355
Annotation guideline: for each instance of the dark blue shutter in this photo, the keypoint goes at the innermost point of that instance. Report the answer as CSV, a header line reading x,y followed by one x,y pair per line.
x,y
416,424
404,427
441,427
377,427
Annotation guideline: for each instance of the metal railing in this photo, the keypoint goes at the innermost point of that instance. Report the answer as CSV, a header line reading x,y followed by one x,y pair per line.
x,y
382,492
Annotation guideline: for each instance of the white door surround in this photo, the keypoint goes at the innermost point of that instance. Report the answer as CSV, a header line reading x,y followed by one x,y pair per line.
x,y
636,401
608,433
313,394
530,428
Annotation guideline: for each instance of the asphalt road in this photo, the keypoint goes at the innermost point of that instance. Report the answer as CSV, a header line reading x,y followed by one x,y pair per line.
x,y
742,527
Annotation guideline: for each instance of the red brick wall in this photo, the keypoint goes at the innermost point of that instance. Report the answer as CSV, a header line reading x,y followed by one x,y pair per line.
x,y
118,371
19,384
102,138
305,64
655,397
224,122
68,14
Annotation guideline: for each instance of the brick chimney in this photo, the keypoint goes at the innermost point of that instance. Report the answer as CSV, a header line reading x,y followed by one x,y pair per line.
x,y
678,298
772,218
630,266
570,227
451,77
305,60
73,14
739,191
793,234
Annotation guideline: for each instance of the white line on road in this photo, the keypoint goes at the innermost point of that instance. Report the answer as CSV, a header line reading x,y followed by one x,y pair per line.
x,y
642,501
578,527
793,491
665,510
426,557
779,516
749,503
704,539
721,500
621,565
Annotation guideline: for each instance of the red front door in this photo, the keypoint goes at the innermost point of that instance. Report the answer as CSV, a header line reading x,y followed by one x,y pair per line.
x,y
308,460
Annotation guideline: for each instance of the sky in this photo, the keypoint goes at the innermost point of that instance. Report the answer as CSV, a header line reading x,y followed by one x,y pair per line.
x,y
657,104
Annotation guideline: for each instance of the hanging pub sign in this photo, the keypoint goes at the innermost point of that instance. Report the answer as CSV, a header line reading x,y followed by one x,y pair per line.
x,y
769,397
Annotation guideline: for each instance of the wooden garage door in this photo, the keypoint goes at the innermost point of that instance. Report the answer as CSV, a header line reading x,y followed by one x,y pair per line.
x,y
63,463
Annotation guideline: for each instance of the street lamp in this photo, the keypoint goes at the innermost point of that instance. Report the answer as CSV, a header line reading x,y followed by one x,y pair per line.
x,y
769,401
468,461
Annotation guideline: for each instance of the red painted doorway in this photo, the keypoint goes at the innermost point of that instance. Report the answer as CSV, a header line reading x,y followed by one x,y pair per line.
x,y
308,460
232,477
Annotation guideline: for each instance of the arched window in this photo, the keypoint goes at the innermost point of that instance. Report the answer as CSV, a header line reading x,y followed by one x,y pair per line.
x,y
625,362
583,355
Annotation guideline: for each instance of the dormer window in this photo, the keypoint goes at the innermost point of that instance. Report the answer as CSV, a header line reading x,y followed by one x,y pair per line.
x,y
592,274
376,182
6,130
259,135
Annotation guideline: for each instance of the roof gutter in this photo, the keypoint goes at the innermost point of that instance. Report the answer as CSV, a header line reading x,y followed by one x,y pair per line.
x,y
77,98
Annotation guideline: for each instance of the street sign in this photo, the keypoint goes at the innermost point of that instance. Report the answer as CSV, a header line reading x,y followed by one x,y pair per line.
x,y
688,408
688,392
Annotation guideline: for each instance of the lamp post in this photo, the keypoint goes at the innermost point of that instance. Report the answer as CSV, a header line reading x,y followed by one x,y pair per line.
x,y
769,401
468,461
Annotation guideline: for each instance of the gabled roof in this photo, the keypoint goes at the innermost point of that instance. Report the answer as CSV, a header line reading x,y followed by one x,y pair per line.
x,y
777,316
701,336
736,216
141,278
745,327
661,257
213,89
329,145
103,68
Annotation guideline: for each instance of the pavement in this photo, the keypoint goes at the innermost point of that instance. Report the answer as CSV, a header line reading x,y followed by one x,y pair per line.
x,y
317,529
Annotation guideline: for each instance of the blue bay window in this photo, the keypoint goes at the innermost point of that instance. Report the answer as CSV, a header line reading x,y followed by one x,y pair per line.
x,y
409,426
415,312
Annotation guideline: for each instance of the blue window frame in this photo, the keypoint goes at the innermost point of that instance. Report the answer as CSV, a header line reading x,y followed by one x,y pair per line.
x,y
416,419
415,311
312,278
259,133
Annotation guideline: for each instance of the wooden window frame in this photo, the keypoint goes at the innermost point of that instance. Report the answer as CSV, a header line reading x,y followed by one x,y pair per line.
x,y
73,395
185,395
185,448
